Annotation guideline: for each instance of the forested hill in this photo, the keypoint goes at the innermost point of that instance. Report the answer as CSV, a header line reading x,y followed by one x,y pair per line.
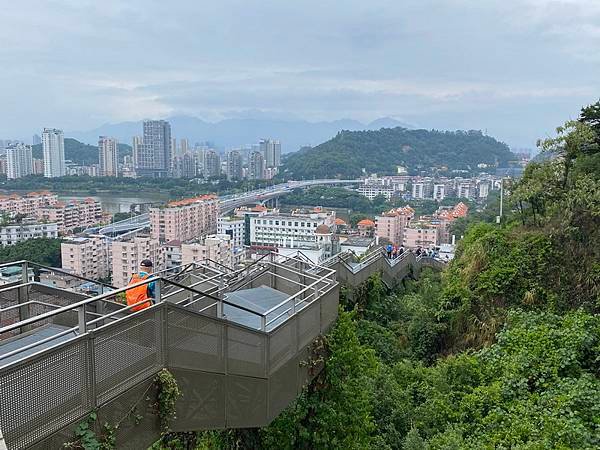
x,y
381,151
81,153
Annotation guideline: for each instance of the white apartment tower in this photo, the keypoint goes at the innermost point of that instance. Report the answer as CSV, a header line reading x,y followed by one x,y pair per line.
x,y
54,153
19,161
108,156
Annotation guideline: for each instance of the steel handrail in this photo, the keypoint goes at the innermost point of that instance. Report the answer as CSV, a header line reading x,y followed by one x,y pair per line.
x,y
77,305
53,269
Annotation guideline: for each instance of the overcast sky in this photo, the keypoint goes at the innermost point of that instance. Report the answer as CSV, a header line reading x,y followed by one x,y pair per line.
x,y
517,68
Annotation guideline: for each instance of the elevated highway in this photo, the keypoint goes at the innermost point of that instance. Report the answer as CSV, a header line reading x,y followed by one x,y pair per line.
x,y
227,204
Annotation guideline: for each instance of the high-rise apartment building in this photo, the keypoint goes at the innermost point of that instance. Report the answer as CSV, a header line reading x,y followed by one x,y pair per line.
x,y
153,158
212,164
54,153
137,143
36,139
185,219
108,156
184,146
19,162
256,166
234,165
271,150
184,166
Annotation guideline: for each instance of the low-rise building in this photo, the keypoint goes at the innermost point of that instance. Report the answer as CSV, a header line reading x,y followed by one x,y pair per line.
x,y
390,225
14,233
26,205
234,227
88,256
72,215
172,254
215,249
127,255
294,230
420,234
366,228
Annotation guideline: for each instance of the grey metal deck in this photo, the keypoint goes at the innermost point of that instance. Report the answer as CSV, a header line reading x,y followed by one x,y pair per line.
x,y
259,299
31,337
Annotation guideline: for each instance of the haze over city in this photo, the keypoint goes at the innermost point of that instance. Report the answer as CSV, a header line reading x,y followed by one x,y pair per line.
x,y
513,69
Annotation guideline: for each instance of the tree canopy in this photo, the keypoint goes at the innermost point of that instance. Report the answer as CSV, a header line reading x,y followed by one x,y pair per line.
x,y
348,153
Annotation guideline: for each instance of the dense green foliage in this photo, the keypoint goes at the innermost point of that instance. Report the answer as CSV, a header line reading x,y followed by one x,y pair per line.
x,y
381,151
501,350
43,251
175,187
81,153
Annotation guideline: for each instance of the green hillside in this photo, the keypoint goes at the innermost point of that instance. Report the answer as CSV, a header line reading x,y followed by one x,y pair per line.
x,y
499,351
381,151
81,153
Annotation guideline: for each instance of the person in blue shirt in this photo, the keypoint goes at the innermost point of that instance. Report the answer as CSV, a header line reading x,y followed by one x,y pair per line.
x,y
389,249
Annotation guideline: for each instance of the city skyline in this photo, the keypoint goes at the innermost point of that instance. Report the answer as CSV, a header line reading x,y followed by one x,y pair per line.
x,y
445,65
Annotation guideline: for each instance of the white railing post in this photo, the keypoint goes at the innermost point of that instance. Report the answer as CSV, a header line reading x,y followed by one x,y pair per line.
x,y
81,319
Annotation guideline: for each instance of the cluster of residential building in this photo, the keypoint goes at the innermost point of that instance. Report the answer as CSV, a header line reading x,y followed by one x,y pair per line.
x,y
415,187
180,232
399,226
41,214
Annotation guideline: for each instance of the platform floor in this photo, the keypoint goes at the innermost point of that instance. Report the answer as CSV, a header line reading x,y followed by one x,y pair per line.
x,y
30,337
260,300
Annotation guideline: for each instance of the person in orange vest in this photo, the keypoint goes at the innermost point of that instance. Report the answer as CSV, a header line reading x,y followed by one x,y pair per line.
x,y
141,293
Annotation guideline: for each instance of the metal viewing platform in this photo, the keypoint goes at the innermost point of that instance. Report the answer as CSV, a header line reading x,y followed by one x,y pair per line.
x,y
233,339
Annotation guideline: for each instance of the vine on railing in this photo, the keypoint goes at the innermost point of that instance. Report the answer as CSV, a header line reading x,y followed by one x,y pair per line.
x,y
168,394
317,352
89,435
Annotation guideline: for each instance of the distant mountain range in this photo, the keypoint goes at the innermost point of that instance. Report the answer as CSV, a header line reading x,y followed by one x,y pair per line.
x,y
228,133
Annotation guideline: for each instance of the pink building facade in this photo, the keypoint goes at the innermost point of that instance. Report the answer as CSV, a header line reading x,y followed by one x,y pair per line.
x,y
184,220
28,204
391,224
72,215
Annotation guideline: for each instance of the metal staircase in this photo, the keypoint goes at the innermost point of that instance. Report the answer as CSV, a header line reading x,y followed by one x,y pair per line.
x,y
235,340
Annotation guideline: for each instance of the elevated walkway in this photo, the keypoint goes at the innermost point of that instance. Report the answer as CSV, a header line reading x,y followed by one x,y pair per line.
x,y
353,271
235,348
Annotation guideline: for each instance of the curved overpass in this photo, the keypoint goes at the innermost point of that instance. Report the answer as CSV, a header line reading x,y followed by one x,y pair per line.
x,y
227,203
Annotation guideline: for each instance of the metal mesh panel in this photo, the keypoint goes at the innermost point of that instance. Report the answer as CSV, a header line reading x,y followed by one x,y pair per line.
x,y
282,344
283,386
43,395
329,308
126,353
309,323
246,402
246,352
202,406
195,342
9,298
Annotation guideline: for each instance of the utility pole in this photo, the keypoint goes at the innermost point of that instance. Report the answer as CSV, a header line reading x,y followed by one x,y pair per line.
x,y
499,218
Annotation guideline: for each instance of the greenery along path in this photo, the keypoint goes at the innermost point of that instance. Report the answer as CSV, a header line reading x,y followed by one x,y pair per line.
x,y
500,351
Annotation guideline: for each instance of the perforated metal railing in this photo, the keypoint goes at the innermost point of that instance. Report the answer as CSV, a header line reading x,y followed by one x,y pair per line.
x,y
103,350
